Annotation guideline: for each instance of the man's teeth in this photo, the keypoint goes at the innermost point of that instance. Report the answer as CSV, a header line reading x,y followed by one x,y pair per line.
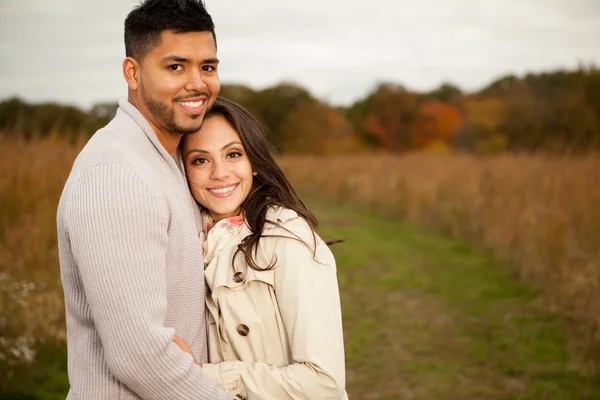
x,y
223,190
192,104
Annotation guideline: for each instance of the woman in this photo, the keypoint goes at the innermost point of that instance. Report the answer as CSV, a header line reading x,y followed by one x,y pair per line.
x,y
275,326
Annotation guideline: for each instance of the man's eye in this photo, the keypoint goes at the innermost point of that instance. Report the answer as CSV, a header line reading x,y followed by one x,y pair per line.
x,y
209,68
175,67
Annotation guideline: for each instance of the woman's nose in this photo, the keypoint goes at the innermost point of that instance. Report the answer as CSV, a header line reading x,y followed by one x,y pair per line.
x,y
220,170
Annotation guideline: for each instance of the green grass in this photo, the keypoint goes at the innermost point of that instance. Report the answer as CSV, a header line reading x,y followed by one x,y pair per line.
x,y
425,317
46,379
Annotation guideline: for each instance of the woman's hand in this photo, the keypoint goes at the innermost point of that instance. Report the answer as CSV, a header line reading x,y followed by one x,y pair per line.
x,y
183,345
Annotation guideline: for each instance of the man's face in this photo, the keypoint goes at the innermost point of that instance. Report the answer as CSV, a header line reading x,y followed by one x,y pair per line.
x,y
178,82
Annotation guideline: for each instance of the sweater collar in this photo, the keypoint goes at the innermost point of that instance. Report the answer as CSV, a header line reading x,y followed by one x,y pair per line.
x,y
176,163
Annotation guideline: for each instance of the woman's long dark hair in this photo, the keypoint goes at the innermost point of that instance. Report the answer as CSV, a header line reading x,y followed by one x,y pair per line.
x,y
270,187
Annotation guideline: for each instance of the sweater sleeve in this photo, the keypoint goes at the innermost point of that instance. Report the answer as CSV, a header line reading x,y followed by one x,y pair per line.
x,y
308,297
117,230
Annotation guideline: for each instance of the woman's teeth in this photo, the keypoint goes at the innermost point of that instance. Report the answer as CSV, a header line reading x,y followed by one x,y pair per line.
x,y
223,190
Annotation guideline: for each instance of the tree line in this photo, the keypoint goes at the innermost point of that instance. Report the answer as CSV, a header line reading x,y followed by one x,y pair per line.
x,y
555,111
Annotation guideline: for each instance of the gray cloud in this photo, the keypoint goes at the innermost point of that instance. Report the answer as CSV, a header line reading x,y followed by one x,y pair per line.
x,y
71,51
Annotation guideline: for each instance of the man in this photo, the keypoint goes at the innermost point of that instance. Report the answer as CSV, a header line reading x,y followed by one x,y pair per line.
x,y
131,261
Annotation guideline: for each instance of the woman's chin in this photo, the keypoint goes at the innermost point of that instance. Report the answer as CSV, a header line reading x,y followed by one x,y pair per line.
x,y
224,212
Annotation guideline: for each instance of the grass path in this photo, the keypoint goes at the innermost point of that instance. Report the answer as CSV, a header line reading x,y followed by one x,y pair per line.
x,y
427,317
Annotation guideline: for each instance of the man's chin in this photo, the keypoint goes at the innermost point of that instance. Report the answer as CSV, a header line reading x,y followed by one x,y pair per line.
x,y
189,129
190,121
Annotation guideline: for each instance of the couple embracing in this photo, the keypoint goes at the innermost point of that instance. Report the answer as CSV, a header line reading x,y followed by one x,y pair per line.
x,y
190,267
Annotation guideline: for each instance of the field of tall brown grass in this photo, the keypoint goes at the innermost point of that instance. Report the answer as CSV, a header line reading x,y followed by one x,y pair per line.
x,y
31,304
539,214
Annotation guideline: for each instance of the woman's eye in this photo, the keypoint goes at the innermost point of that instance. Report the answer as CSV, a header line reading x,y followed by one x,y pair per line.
x,y
199,161
175,67
234,154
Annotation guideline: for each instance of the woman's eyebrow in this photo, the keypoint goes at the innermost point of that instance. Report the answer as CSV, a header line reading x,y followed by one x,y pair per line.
x,y
207,152
230,144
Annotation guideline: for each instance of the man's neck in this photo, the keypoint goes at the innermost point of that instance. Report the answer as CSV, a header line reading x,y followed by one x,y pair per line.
x,y
169,140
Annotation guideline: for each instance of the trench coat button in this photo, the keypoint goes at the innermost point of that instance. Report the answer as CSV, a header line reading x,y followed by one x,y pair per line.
x,y
238,277
243,329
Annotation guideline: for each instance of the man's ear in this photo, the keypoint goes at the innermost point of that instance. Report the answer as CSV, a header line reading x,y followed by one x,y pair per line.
x,y
131,72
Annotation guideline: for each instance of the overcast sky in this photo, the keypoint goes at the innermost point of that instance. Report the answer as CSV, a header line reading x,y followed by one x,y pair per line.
x,y
71,50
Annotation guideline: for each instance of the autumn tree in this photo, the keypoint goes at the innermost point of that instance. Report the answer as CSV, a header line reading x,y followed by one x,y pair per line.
x,y
275,104
446,93
481,130
317,128
551,111
39,120
387,116
436,125
243,95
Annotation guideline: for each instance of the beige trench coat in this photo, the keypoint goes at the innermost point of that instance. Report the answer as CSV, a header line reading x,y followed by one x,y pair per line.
x,y
274,334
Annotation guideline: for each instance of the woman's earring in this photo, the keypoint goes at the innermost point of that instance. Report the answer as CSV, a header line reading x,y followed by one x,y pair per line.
x,y
255,173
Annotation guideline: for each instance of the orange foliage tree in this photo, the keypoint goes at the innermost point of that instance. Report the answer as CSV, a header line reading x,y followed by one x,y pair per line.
x,y
316,128
387,116
436,125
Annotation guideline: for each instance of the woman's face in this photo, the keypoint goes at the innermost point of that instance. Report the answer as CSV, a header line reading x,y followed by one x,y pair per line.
x,y
218,168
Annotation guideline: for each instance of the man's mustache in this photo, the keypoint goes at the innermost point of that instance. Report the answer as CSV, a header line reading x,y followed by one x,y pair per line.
x,y
191,96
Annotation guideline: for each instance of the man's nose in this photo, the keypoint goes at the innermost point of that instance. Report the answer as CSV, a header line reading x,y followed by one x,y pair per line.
x,y
195,82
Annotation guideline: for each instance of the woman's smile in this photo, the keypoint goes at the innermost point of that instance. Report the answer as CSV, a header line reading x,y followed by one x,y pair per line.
x,y
223,191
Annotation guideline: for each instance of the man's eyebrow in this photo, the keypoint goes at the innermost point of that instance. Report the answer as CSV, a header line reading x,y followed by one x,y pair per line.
x,y
176,59
185,60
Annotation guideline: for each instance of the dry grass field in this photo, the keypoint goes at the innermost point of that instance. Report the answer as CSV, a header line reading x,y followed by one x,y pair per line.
x,y
438,311
538,214
31,181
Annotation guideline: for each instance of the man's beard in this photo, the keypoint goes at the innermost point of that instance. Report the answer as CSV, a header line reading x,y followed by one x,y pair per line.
x,y
167,117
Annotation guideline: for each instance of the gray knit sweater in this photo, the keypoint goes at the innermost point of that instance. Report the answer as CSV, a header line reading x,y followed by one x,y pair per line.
x,y
132,270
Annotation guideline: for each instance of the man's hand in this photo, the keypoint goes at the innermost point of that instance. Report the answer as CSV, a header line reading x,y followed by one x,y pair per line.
x,y
183,345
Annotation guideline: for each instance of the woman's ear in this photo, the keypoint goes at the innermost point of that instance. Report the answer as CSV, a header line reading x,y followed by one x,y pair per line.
x,y
131,72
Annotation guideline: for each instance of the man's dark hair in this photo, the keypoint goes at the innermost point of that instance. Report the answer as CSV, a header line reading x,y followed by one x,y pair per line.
x,y
145,23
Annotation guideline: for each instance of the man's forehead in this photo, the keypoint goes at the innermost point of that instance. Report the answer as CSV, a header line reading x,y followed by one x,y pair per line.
x,y
185,45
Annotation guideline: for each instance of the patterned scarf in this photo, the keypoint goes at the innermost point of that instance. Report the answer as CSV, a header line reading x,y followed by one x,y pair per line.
x,y
216,236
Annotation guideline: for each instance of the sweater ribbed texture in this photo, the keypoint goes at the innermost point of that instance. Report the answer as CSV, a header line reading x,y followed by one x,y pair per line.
x,y
132,269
